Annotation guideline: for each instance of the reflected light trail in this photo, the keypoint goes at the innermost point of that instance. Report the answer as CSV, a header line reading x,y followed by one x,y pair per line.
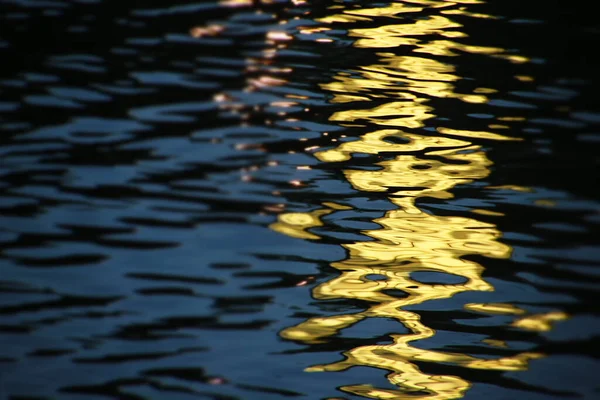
x,y
393,96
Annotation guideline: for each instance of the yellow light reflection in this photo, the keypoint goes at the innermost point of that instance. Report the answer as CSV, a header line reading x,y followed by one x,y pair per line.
x,y
464,12
297,224
380,142
495,308
473,134
381,271
540,322
389,11
399,35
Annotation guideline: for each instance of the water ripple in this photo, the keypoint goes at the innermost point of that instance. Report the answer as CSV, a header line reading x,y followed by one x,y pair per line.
x,y
198,196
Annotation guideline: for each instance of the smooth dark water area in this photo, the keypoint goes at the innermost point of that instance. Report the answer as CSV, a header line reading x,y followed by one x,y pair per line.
x,y
299,199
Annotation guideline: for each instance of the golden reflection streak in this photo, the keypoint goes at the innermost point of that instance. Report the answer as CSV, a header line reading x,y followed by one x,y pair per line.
x,y
408,34
375,143
389,11
495,308
540,322
409,240
297,224
406,77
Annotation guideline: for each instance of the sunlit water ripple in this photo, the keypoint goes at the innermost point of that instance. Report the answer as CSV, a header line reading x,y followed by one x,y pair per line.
x,y
272,199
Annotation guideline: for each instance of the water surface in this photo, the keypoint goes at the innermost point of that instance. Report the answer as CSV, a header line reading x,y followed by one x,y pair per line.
x,y
322,200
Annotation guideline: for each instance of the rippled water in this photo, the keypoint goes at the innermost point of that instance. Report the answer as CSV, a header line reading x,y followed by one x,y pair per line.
x,y
213,199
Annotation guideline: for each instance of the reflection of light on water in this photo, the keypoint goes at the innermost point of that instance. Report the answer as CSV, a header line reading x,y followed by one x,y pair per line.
x,y
209,30
375,142
495,308
297,224
540,322
409,240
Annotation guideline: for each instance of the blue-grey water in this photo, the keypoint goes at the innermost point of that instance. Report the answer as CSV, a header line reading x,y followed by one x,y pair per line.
x,y
299,199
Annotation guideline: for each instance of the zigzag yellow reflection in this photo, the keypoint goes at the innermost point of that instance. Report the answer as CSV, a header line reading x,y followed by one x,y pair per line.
x,y
409,240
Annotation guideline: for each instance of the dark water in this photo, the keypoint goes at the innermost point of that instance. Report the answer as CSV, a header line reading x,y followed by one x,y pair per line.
x,y
322,200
